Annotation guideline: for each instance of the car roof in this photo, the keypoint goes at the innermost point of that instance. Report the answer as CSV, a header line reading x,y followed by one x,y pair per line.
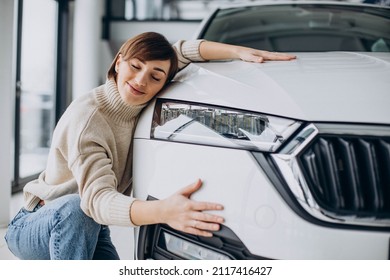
x,y
325,86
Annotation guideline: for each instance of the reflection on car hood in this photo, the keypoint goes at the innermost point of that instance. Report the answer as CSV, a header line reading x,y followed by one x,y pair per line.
x,y
330,86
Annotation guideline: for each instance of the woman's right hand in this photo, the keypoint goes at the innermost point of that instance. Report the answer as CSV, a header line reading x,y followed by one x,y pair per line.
x,y
184,214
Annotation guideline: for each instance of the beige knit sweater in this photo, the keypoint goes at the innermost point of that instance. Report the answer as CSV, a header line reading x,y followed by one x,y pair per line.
x,y
91,152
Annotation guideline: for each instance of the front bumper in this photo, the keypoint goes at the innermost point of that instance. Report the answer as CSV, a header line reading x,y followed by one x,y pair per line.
x,y
256,211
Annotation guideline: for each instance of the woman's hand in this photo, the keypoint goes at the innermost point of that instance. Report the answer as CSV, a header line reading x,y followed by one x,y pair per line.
x,y
210,50
253,55
184,214
179,212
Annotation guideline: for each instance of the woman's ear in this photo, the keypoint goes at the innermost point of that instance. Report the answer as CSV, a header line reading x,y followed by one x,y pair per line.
x,y
117,62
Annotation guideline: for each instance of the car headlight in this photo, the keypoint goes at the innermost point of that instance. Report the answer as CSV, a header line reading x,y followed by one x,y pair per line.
x,y
212,125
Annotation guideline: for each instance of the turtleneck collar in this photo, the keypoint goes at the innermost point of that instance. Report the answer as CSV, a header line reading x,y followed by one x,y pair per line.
x,y
112,104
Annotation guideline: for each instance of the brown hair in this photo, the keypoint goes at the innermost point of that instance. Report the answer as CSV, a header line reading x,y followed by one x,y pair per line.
x,y
147,46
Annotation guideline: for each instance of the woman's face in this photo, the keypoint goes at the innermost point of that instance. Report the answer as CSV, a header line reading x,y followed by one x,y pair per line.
x,y
139,81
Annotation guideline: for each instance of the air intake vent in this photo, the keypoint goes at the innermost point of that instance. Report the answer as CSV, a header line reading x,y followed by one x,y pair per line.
x,y
349,175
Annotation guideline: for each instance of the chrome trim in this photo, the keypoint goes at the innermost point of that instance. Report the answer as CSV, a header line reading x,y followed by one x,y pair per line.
x,y
363,130
301,140
286,161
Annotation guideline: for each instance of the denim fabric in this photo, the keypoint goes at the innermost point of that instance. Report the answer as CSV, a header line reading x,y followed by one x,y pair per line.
x,y
59,230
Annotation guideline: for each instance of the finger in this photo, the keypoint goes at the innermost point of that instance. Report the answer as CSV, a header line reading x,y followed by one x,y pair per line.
x,y
195,231
190,189
205,226
255,57
278,56
206,217
201,206
259,59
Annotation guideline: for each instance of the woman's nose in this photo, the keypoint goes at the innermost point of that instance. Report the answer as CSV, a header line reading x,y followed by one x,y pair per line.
x,y
140,79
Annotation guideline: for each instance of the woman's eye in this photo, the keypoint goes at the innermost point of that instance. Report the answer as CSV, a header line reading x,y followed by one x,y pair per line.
x,y
135,66
156,78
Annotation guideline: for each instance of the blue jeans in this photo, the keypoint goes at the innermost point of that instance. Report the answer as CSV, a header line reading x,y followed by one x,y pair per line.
x,y
59,230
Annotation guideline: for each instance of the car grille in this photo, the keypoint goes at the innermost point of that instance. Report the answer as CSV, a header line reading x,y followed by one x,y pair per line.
x,y
349,175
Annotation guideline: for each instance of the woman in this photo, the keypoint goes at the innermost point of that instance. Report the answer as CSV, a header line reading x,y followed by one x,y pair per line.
x,y
87,182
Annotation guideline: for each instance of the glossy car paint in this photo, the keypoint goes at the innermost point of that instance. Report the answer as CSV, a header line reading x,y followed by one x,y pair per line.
x,y
330,87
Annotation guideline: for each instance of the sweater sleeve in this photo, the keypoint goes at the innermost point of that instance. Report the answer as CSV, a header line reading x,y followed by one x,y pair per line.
x,y
97,187
187,52
93,170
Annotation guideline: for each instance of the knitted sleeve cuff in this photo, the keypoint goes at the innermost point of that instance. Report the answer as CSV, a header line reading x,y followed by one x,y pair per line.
x,y
188,51
119,211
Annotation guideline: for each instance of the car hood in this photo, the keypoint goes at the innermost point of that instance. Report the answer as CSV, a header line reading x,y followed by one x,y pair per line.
x,y
329,86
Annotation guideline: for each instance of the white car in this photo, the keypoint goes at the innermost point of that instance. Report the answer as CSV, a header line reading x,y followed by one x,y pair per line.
x,y
298,153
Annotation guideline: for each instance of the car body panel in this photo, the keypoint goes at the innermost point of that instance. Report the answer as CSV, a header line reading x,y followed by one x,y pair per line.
x,y
327,87
253,209
333,86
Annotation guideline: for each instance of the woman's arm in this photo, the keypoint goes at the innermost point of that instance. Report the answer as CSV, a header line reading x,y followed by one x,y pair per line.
x,y
201,50
179,212
218,51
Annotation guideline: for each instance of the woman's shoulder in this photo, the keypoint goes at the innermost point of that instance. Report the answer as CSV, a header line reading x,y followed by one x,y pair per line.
x,y
78,115
80,109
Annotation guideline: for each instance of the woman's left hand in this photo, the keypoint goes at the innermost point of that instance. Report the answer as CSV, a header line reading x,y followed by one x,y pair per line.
x,y
254,55
210,50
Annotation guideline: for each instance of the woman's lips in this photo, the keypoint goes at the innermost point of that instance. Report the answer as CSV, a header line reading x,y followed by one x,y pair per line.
x,y
135,91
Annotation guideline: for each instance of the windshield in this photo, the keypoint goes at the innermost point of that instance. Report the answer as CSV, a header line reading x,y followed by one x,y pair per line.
x,y
303,27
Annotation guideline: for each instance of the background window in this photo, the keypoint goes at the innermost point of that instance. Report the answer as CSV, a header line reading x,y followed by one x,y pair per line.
x,y
36,82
